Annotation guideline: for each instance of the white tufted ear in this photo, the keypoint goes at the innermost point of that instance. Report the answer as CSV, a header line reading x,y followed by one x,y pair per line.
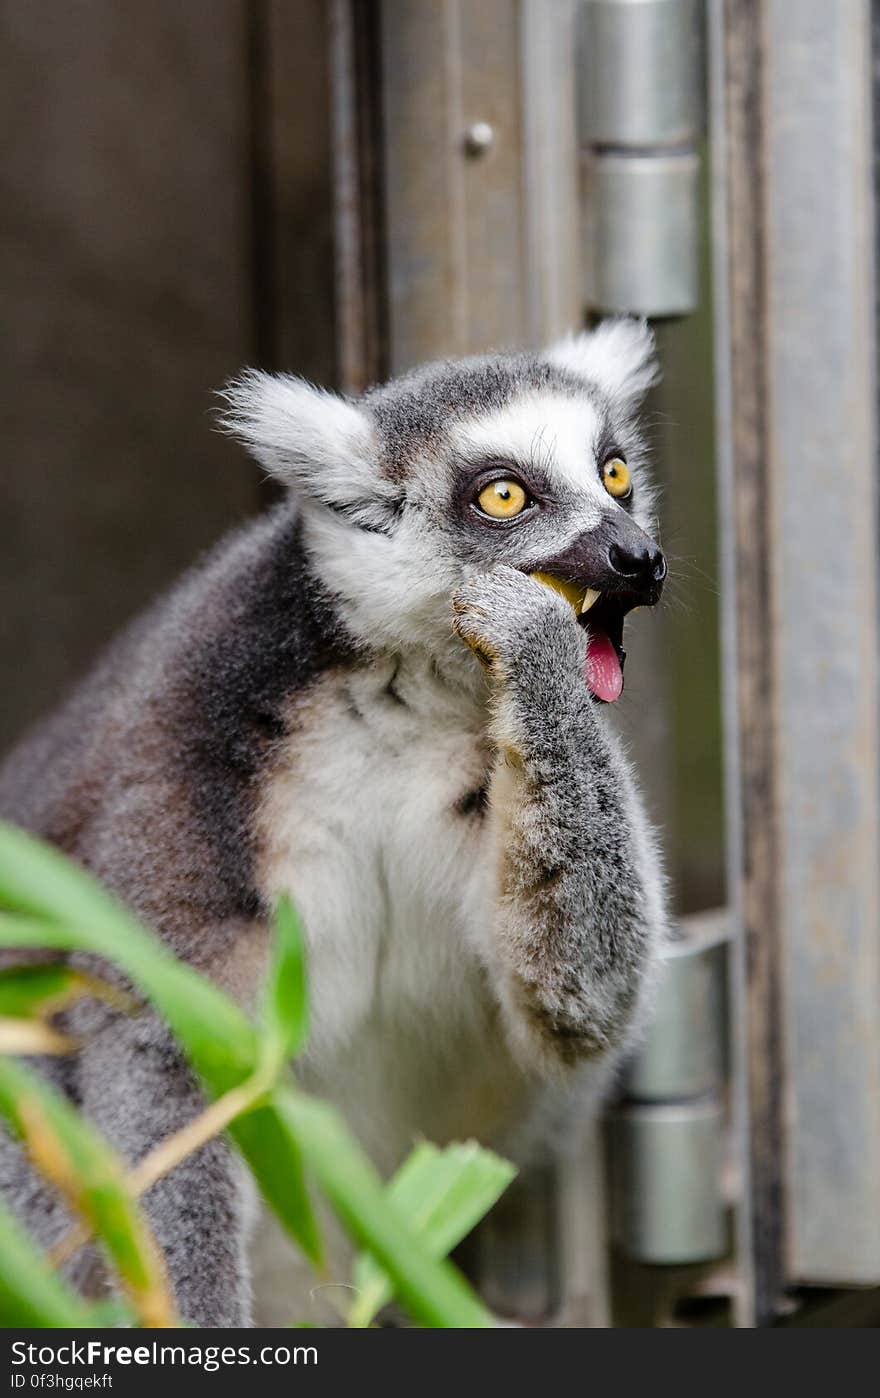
x,y
313,440
619,356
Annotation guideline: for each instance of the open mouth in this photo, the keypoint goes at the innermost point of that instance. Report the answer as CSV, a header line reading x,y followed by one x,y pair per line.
x,y
601,614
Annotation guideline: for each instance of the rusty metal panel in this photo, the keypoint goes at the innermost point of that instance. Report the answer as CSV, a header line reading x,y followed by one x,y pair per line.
x,y
550,168
453,177
794,305
738,217
798,436
821,489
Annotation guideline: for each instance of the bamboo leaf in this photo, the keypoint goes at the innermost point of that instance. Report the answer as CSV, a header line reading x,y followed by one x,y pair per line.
x,y
90,1177
285,1005
26,991
220,1042
175,989
274,1156
442,1195
31,1295
433,1292
53,903
38,881
42,990
106,1315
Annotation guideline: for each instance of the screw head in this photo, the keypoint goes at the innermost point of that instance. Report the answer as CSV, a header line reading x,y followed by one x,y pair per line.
x,y
478,139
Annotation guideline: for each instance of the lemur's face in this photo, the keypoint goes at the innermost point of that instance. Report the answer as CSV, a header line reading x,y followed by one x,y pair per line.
x,y
534,461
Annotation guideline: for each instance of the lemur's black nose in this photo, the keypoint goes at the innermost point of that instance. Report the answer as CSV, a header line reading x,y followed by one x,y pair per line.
x,y
639,561
614,557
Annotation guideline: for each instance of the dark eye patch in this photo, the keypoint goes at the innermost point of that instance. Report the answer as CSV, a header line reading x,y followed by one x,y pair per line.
x,y
475,475
608,444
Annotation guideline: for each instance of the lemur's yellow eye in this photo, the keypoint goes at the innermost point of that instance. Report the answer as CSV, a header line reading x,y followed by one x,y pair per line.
x,y
502,499
616,478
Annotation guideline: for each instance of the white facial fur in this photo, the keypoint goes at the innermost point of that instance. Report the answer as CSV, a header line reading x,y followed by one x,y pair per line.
x,y
556,434
396,588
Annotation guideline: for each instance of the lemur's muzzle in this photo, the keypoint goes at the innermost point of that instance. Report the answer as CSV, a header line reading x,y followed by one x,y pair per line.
x,y
605,573
616,558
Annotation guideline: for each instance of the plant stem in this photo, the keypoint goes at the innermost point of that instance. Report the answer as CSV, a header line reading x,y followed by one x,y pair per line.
x,y
169,1153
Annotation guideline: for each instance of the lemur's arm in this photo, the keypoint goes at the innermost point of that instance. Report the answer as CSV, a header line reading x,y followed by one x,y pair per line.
x,y
580,897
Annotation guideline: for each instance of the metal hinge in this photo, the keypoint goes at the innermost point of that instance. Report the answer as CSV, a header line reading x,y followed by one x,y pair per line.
x,y
640,106
667,1132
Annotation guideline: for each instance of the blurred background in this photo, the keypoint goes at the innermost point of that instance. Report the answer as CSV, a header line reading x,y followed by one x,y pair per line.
x,y
342,188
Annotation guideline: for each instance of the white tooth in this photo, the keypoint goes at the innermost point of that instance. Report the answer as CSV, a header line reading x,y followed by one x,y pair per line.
x,y
590,596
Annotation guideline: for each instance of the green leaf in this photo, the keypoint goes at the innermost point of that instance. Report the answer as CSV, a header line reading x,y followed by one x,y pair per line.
x,y
91,1178
285,1006
219,1040
40,991
31,1295
433,1292
53,903
441,1195
60,906
33,991
106,1315
35,879
197,1012
275,1158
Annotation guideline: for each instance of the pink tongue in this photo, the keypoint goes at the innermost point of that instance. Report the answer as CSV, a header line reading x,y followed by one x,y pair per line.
x,y
604,675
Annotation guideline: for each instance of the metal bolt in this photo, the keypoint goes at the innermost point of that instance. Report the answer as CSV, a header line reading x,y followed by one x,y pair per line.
x,y
478,139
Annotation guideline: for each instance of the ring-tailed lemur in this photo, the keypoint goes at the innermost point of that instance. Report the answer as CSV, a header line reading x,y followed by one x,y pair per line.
x,y
365,698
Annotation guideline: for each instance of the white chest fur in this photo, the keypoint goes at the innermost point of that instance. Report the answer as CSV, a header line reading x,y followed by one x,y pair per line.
x,y
363,823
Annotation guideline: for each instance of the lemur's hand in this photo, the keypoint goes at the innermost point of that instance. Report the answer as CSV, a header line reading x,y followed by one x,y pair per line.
x,y
523,632
575,923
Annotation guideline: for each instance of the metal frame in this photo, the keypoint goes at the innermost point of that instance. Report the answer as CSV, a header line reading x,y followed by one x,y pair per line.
x,y
472,97
797,413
